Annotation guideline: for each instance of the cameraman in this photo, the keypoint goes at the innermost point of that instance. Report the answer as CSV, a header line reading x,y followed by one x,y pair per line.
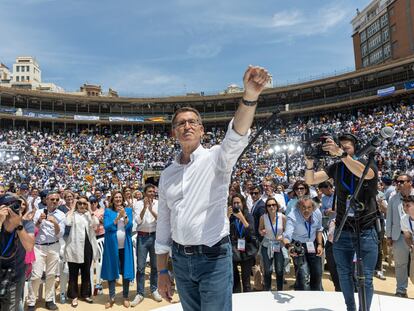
x,y
16,237
346,173
303,239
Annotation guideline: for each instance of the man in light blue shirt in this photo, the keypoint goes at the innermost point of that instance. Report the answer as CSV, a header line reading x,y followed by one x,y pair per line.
x,y
303,238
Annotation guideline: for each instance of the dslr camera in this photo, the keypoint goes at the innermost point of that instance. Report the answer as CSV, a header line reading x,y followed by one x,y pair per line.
x,y
11,202
298,248
312,142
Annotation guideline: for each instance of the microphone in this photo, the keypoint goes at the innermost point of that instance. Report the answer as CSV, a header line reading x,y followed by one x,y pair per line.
x,y
386,132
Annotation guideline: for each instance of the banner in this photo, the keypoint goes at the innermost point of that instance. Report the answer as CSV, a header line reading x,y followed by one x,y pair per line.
x,y
85,118
126,119
409,85
386,92
40,115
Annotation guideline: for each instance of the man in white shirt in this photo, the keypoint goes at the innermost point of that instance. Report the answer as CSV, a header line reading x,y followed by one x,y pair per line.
x,y
192,215
268,188
146,212
51,224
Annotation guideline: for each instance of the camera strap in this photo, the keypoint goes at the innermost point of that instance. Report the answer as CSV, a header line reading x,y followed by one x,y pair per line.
x,y
351,187
9,243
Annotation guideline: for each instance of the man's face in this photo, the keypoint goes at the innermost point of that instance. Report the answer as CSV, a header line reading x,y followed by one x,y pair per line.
x,y
347,146
403,184
98,194
306,208
187,128
249,186
256,194
268,188
52,201
326,190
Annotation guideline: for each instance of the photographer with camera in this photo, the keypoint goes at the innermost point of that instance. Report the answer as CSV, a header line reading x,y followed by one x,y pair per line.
x,y
303,239
16,237
346,173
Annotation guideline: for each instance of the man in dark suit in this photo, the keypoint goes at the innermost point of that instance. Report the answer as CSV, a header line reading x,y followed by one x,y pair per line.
x,y
258,208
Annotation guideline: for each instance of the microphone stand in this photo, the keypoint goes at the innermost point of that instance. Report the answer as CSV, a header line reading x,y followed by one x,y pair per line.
x,y
358,207
269,121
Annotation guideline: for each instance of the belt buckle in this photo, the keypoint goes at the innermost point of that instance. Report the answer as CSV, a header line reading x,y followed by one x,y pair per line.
x,y
188,250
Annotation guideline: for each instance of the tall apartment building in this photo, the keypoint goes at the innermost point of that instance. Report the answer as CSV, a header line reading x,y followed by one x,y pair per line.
x,y
26,73
5,75
383,31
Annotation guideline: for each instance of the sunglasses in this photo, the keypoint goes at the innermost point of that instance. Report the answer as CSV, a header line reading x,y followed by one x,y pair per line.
x,y
401,182
255,192
271,205
300,188
54,200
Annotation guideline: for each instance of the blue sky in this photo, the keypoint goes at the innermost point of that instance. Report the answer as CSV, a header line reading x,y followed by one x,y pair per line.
x,y
170,47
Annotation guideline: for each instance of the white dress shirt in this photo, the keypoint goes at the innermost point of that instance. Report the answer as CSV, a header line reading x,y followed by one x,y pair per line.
x,y
47,229
148,223
192,206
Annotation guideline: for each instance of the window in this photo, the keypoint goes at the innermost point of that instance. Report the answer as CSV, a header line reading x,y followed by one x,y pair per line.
x,y
384,20
363,36
374,42
376,56
373,28
17,78
23,67
364,49
17,68
27,68
27,78
385,34
387,50
365,62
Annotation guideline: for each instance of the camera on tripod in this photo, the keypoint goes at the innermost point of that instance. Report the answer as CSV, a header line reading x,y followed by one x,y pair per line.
x,y
312,142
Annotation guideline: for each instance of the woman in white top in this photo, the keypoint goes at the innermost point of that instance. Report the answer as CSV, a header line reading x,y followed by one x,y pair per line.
x,y
81,248
271,227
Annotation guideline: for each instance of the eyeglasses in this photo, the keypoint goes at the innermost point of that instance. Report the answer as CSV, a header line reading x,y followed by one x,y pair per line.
x,y
401,182
192,123
300,188
271,205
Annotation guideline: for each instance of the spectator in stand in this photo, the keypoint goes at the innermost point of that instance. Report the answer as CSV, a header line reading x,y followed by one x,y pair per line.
x,y
98,212
81,248
271,227
118,256
244,243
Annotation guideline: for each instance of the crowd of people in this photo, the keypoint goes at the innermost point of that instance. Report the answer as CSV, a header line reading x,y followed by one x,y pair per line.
x,y
81,161
76,192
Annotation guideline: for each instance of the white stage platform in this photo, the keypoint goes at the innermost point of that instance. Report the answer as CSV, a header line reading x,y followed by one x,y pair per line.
x,y
306,301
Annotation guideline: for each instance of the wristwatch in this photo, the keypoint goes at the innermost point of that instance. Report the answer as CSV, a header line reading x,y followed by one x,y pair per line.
x,y
343,155
19,227
249,103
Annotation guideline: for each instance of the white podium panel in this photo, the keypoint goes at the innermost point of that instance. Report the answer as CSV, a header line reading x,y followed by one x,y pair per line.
x,y
306,301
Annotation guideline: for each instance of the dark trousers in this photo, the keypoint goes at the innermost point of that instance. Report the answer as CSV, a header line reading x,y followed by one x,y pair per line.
x,y
308,272
125,283
330,261
85,269
246,270
14,296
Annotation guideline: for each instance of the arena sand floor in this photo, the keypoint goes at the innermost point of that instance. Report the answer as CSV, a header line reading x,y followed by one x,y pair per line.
x,y
382,287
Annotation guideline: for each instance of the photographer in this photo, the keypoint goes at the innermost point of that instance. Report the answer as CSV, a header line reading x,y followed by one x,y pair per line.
x,y
303,239
16,237
346,173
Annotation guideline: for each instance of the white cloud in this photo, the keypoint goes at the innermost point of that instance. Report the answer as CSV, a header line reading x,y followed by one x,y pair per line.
x,y
204,50
286,19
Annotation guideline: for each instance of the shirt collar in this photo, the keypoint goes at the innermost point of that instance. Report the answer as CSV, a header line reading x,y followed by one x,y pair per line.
x,y
194,155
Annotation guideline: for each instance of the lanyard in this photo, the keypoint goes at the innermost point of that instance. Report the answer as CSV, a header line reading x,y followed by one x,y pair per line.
x,y
239,227
351,187
8,243
411,226
308,225
274,229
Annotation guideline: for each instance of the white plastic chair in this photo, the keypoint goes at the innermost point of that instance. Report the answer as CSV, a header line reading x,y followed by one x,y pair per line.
x,y
98,264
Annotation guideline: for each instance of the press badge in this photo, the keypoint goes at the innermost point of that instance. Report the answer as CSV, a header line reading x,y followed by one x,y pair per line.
x,y
241,245
275,247
310,247
351,210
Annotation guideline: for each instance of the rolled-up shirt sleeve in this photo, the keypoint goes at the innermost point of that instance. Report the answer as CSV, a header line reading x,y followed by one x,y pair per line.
x,y
163,239
230,149
290,227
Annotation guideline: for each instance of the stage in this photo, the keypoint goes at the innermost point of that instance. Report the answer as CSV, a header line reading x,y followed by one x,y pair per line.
x,y
304,300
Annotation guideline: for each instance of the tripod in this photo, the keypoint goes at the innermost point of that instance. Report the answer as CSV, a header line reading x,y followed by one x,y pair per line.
x,y
358,207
